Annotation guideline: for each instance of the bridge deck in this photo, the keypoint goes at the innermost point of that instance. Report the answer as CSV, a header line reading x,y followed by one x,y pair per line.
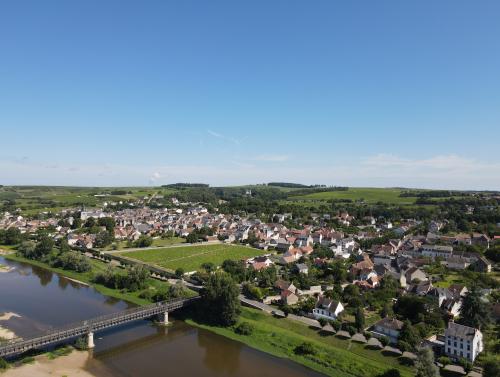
x,y
95,324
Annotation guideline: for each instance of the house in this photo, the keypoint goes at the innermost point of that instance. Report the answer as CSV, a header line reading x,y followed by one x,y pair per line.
x,y
302,268
389,327
415,273
482,265
327,308
289,298
435,251
481,240
462,342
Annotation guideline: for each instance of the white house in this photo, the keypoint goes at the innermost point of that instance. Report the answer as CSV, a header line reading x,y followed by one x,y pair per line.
x,y
388,327
327,308
462,341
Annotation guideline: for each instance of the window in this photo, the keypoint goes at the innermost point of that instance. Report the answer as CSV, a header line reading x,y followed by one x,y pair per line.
x,y
449,342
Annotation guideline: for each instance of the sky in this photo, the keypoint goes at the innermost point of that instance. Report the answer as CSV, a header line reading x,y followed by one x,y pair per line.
x,y
351,93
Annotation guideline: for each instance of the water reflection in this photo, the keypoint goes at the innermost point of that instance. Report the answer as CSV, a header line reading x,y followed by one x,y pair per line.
x,y
223,357
45,276
141,349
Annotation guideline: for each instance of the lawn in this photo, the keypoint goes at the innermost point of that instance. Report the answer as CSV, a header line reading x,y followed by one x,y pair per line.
x,y
190,258
334,356
369,195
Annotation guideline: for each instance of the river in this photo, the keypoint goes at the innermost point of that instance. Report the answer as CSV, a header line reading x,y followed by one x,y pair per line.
x,y
43,300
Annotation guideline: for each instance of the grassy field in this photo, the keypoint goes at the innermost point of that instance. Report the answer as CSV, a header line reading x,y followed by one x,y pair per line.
x,y
86,277
190,258
157,242
369,195
334,357
33,199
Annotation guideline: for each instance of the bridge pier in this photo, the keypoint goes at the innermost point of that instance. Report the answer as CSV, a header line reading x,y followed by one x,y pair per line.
x,y
164,318
90,340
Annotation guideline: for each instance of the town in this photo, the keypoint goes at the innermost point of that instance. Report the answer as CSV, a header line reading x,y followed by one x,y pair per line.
x,y
409,283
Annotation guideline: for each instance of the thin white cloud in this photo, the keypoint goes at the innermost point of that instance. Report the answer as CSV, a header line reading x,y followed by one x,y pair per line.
x,y
271,158
445,172
224,137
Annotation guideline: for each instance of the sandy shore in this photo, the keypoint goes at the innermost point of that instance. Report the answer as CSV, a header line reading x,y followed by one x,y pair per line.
x,y
71,365
6,333
4,268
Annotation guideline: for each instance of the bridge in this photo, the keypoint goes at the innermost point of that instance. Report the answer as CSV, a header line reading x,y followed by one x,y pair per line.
x,y
88,327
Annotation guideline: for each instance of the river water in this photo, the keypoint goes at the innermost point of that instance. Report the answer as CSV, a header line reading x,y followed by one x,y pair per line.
x,y
44,300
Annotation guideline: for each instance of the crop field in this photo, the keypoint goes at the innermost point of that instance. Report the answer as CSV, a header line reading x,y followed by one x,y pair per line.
x,y
33,199
190,258
368,195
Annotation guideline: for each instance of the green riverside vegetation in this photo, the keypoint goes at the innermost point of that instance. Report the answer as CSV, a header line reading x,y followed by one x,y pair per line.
x,y
87,278
281,337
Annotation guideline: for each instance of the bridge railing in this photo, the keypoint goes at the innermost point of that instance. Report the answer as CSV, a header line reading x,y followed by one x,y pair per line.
x,y
97,322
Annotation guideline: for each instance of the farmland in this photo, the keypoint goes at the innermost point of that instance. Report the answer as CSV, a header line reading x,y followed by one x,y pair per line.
x,y
190,258
368,195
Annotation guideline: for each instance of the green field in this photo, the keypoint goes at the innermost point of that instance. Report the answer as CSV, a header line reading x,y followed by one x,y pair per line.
x,y
368,195
34,199
190,258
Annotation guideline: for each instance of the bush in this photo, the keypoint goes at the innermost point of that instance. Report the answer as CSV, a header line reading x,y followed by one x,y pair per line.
x,y
179,273
305,349
244,328
491,369
404,346
390,373
466,364
322,321
384,340
444,360
81,344
336,325
3,364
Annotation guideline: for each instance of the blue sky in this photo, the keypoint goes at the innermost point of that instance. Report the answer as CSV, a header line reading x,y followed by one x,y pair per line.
x,y
359,93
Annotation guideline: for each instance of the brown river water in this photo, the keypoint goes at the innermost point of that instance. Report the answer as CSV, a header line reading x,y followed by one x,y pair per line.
x,y
44,300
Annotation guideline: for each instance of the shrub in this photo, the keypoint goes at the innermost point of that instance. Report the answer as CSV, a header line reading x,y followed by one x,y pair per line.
x,y
390,373
404,346
3,364
444,360
336,325
81,344
322,321
244,328
384,340
305,349
466,364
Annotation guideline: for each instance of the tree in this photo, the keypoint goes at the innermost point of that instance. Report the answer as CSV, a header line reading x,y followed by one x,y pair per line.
x,y
12,236
104,239
220,299
27,249
208,267
475,312
192,237
179,272
43,247
491,369
144,241
360,319
409,335
425,363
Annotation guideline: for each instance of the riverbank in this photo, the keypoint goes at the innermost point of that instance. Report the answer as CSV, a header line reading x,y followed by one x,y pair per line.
x,y
334,357
86,279
71,365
